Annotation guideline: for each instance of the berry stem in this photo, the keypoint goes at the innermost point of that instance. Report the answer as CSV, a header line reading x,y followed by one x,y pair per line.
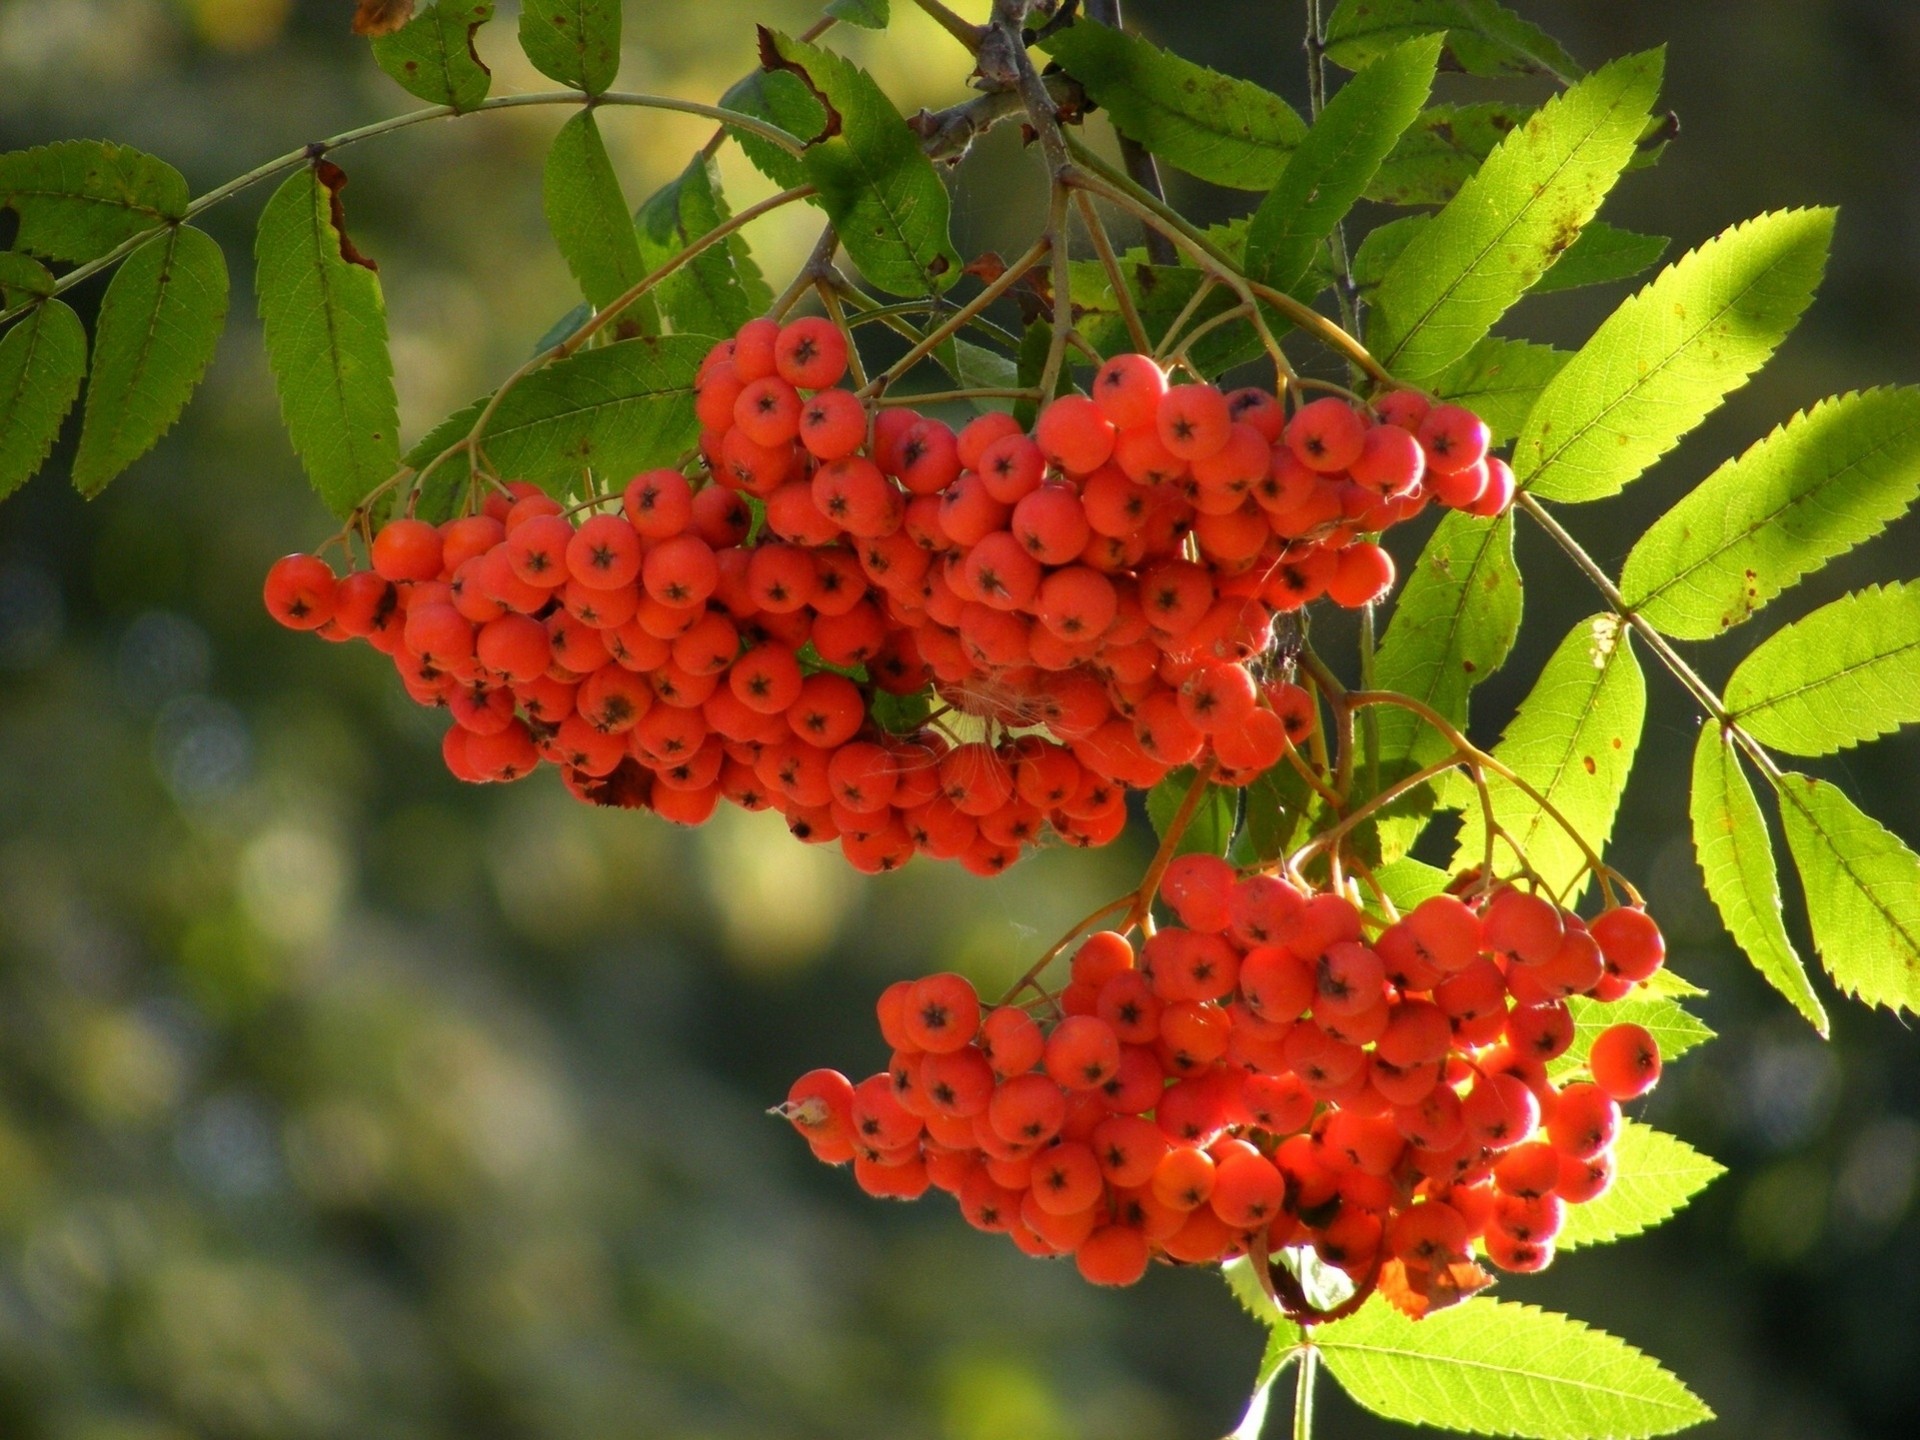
x,y
957,321
1103,247
1034,972
1303,1392
1169,843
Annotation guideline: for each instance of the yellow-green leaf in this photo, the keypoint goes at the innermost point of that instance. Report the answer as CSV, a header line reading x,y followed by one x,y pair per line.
x,y
1847,673
1654,1175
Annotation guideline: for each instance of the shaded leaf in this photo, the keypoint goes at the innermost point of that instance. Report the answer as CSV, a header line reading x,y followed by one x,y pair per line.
x,y
1667,357
1336,160
1490,1368
576,42
588,215
1210,831
1500,380
1863,892
875,183
1442,150
720,289
433,56
1603,254
325,326
159,322
1485,37
1573,740
1218,127
871,14
22,278
1160,294
1736,859
43,358
1828,479
1498,235
1277,806
780,98
1847,673
77,199
1655,1174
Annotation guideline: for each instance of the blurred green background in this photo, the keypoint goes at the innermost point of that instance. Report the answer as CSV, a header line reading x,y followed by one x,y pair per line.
x,y
337,1099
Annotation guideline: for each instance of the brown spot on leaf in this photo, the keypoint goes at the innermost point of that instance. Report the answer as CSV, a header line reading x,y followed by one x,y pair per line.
x,y
335,179
1587,763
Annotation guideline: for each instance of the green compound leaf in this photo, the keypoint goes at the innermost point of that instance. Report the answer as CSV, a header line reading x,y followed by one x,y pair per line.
x,y
22,279
326,336
780,98
77,199
1485,38
1160,295
1512,220
1490,1368
869,14
1380,247
1220,128
43,358
1453,626
1210,832
158,326
875,183
1602,255
617,409
1676,1029
1336,160
1863,892
720,289
1573,740
1655,1175
1847,673
1736,858
1443,150
432,55
588,215
576,42
1663,361
1828,479
1499,380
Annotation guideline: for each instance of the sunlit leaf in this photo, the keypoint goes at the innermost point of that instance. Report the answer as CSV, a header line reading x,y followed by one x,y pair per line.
x,y
159,322
325,326
1491,1368
1828,479
1499,380
1602,255
1736,858
1675,1029
43,358
1655,1174
1847,673
1573,741
1512,220
1863,892
77,199
433,56
1665,359
1442,150
1215,126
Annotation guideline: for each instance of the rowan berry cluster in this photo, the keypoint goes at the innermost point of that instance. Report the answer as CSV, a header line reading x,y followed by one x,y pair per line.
x,y
1263,1075
1100,593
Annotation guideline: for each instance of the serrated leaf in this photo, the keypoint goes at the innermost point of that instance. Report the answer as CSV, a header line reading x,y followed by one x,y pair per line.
x,y
1218,127
1862,887
1665,359
1442,150
1452,626
1246,1288
1847,673
875,183
576,42
870,14
1527,204
1486,38
1655,1174
1828,479
21,279
1335,161
1210,830
720,289
619,408
1573,740
1491,1368
325,326
1736,859
433,55
1500,380
1408,881
588,215
159,323
77,199
1676,1029
780,98
1602,255
43,358
1380,247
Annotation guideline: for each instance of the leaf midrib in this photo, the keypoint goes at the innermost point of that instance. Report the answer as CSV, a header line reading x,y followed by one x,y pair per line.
x,y
123,411
1775,701
1457,1362
1894,923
